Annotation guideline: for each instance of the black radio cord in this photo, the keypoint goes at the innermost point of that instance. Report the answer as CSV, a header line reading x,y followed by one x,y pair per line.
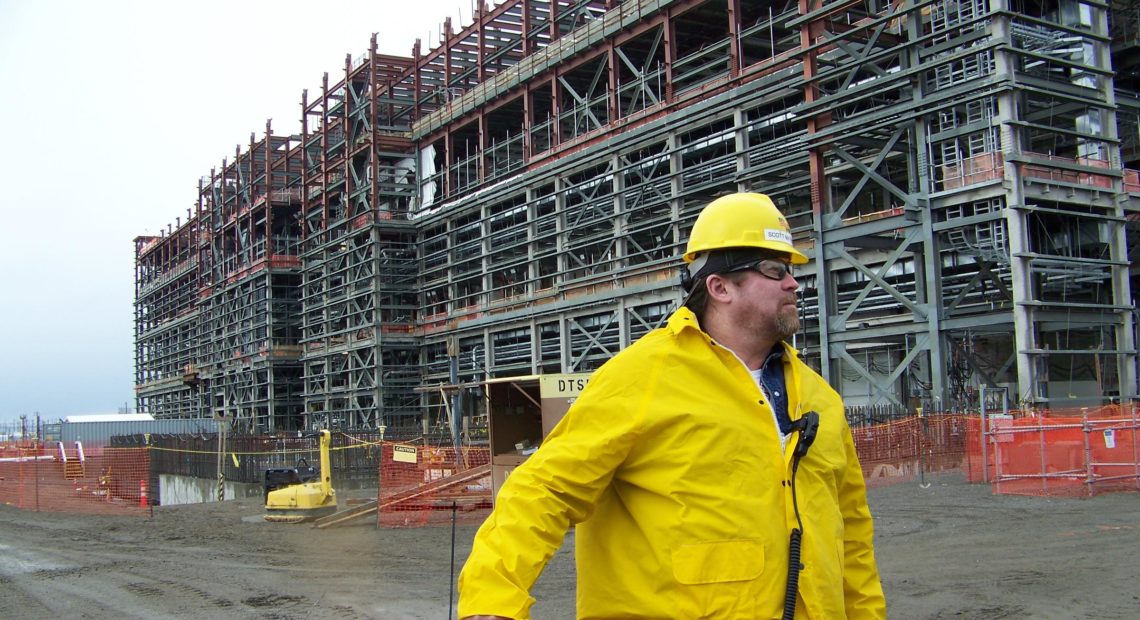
x,y
794,543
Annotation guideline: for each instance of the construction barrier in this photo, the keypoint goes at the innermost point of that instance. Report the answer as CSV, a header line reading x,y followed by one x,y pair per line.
x,y
432,484
909,449
142,472
62,479
428,481
1095,451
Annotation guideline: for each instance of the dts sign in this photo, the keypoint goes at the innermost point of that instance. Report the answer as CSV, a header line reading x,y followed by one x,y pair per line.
x,y
571,386
562,386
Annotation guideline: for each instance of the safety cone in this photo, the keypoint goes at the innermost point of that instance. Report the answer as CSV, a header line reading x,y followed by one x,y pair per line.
x,y
142,494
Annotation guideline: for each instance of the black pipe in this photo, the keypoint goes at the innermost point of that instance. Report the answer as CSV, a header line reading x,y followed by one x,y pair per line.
x,y
451,580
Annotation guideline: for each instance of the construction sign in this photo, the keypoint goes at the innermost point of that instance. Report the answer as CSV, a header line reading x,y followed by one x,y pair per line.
x,y
404,454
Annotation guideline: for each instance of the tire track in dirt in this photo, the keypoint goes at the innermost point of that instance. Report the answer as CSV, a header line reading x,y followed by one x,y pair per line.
x,y
950,551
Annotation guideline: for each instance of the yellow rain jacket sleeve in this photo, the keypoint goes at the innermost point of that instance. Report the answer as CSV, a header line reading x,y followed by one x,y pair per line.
x,y
670,465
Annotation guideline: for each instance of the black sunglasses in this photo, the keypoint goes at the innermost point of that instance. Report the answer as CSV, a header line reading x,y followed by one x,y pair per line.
x,y
770,268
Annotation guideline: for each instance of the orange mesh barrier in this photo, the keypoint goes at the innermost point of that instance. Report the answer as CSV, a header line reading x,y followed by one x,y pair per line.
x,y
903,450
1059,455
1059,452
975,472
114,481
423,485
1104,411
427,485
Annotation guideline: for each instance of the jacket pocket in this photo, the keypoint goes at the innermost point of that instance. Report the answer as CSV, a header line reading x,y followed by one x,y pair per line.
x,y
718,561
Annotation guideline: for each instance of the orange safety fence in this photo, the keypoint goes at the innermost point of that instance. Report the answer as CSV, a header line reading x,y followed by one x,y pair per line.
x,y
908,449
47,479
429,484
1059,455
1115,410
420,482
424,485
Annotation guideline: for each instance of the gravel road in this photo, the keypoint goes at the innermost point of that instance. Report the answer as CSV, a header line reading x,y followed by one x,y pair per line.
x,y
952,550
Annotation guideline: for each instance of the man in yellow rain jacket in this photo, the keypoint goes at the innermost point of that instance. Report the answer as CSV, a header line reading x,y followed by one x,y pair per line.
x,y
679,465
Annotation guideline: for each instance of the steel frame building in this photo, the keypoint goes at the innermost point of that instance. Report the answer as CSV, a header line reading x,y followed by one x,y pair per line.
x,y
515,201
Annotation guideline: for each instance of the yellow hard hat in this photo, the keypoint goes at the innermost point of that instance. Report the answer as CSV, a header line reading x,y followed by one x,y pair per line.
x,y
744,220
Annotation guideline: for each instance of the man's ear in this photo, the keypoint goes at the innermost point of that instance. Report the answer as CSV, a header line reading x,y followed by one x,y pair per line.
x,y
717,287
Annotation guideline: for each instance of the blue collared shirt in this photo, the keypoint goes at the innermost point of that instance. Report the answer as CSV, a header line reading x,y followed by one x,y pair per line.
x,y
772,380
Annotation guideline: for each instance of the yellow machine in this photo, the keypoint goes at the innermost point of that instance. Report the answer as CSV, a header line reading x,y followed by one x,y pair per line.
x,y
301,498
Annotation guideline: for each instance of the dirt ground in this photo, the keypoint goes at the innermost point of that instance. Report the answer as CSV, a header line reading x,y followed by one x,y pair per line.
x,y
952,550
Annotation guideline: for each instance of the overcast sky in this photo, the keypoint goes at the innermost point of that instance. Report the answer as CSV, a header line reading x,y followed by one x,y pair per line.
x,y
110,112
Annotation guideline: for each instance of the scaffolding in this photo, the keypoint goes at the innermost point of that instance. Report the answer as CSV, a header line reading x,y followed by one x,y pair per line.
x,y
359,305
167,320
513,201
218,301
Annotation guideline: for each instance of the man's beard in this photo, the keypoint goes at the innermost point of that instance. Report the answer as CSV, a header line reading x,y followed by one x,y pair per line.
x,y
787,322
